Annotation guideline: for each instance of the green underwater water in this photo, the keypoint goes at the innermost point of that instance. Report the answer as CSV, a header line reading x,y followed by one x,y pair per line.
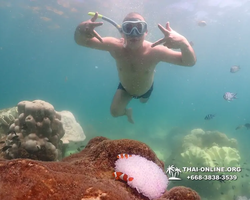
x,y
40,60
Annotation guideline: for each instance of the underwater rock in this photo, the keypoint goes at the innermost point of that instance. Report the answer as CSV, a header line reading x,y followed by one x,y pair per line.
x,y
180,193
85,175
35,133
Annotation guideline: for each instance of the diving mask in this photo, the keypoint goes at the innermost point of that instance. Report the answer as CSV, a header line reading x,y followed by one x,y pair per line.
x,y
134,28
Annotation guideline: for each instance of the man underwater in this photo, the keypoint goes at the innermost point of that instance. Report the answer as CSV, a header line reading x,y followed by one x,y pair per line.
x,y
135,57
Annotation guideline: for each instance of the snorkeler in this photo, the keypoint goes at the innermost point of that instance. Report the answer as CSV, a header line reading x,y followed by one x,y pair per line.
x,y
135,57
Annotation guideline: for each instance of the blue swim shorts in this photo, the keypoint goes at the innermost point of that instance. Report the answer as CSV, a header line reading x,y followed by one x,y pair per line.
x,y
146,95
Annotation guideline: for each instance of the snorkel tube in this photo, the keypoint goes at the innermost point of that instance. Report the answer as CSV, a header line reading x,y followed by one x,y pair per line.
x,y
108,20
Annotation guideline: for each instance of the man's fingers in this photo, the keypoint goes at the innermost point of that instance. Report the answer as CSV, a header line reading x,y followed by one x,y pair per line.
x,y
168,26
97,36
163,30
158,42
95,24
94,17
168,44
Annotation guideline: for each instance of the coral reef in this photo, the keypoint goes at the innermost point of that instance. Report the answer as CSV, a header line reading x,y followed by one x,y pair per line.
x,y
202,139
72,139
74,134
224,156
210,149
35,133
84,175
241,198
212,157
7,117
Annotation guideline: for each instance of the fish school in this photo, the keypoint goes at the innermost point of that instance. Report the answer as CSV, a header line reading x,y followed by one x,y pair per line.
x,y
211,169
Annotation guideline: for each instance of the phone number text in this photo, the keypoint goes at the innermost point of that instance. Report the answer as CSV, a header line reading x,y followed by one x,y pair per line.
x,y
222,177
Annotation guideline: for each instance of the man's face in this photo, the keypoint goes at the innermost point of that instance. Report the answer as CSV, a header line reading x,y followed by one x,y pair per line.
x,y
134,31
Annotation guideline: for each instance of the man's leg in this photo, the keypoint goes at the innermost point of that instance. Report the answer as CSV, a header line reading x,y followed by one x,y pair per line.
x,y
144,100
119,104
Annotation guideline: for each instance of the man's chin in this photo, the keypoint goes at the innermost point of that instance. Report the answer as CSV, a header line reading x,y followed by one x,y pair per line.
x,y
134,39
134,42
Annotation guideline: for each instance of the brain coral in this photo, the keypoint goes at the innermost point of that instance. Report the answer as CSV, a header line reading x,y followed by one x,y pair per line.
x,y
149,179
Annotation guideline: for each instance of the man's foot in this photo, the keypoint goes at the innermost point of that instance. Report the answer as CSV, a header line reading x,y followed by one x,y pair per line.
x,y
129,115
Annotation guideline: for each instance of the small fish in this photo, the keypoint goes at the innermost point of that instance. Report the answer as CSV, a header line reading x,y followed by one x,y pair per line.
x,y
229,96
124,155
121,176
16,137
9,132
239,127
209,116
247,125
202,23
6,147
247,175
234,69
24,127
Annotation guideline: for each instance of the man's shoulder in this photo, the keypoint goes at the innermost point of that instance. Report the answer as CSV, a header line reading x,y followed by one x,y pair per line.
x,y
111,43
148,43
112,40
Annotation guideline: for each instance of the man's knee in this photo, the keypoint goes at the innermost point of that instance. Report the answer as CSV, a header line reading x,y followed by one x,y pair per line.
x,y
116,112
144,100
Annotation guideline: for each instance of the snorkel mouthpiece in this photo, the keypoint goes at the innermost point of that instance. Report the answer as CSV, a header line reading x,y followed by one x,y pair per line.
x,y
134,33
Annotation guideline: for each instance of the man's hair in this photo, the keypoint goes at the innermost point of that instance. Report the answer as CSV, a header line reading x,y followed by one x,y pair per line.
x,y
132,15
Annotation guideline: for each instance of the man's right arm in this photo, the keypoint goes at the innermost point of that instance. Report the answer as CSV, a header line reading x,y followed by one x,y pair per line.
x,y
86,36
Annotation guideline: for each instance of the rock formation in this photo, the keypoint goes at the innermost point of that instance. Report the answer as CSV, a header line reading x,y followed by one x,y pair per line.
x,y
35,133
85,175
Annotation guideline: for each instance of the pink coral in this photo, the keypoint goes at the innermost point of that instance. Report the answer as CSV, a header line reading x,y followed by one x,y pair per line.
x,y
149,178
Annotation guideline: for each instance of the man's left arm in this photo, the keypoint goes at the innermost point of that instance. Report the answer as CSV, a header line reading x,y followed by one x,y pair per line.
x,y
173,40
188,57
